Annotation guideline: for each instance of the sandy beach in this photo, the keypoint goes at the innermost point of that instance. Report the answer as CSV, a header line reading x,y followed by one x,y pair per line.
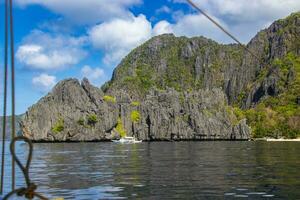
x,y
282,140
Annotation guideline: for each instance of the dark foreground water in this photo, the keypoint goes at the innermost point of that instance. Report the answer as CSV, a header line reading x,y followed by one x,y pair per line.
x,y
165,170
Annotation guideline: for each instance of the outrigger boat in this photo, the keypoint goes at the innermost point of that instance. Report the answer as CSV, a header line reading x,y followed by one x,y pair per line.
x,y
127,140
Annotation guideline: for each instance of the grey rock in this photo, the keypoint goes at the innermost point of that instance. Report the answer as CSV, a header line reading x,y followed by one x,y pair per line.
x,y
164,115
184,86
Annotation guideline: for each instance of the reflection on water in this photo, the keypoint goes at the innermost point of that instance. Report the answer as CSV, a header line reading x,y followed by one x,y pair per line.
x,y
163,170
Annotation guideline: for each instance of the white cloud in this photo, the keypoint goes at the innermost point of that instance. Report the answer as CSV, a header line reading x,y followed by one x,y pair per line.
x,y
243,10
118,36
242,17
163,9
85,11
120,31
44,82
162,27
191,25
43,51
93,74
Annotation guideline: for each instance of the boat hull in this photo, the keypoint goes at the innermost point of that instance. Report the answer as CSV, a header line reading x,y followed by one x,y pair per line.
x,y
127,140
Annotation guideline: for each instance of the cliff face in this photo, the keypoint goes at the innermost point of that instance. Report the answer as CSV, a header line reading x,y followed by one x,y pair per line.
x,y
76,111
171,88
279,41
199,63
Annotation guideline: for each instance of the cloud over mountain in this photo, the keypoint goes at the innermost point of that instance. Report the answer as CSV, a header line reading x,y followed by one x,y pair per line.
x,y
44,82
118,36
94,74
43,51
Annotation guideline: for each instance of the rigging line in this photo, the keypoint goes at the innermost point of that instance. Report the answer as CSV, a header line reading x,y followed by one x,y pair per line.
x,y
28,192
13,135
5,95
220,27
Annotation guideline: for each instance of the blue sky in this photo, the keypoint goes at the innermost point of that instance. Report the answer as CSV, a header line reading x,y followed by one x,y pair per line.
x,y
57,39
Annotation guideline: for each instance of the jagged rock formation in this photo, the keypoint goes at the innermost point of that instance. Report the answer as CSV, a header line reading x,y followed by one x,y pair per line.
x,y
276,42
170,88
199,63
164,115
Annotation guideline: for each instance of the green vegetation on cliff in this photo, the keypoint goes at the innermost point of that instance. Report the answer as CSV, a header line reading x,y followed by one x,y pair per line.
x,y
80,121
135,116
58,126
142,81
120,128
167,61
278,116
92,119
109,99
135,103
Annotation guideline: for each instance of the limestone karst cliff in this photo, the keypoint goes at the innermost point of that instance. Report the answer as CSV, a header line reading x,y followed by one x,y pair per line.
x,y
173,88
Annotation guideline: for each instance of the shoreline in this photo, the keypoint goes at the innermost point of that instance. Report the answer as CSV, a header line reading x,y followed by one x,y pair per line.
x,y
277,140
282,140
183,140
144,141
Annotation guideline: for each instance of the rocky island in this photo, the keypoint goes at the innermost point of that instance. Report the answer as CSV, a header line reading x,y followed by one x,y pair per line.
x,y
179,88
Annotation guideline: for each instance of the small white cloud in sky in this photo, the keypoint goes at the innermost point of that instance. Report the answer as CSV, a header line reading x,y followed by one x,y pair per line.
x,y
42,51
163,9
44,82
93,74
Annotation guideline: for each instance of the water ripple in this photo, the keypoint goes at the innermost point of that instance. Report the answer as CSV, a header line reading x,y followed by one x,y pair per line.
x,y
164,170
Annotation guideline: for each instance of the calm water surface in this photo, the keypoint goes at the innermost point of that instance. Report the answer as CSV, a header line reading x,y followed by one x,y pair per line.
x,y
165,170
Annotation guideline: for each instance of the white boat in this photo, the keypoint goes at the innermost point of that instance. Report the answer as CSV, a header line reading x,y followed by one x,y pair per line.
x,y
127,140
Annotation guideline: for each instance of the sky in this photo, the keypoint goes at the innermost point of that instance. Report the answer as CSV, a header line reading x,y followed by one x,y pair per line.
x,y
58,39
